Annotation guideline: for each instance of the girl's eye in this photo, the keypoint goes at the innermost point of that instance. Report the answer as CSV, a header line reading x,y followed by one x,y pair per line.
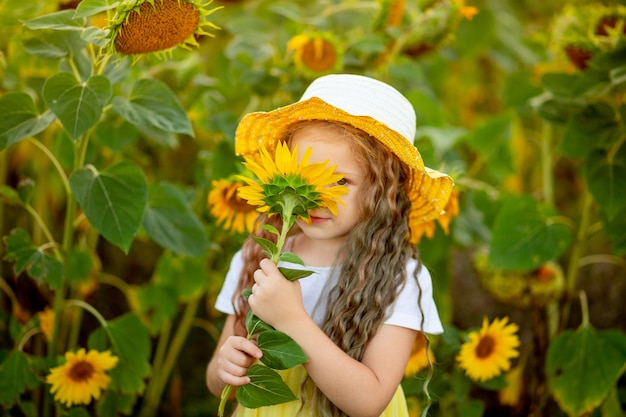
x,y
342,181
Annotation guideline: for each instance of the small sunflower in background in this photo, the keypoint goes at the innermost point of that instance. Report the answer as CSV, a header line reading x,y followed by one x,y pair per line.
x,y
421,356
316,53
82,377
158,26
232,212
449,212
489,351
46,322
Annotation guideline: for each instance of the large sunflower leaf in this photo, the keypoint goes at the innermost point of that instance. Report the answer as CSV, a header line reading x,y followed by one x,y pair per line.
x,y
20,119
153,104
526,235
583,366
16,376
157,304
27,257
113,200
62,20
171,267
90,7
606,176
265,388
128,339
78,106
279,350
170,221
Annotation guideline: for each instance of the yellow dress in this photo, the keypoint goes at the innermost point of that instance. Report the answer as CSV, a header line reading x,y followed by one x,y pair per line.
x,y
294,377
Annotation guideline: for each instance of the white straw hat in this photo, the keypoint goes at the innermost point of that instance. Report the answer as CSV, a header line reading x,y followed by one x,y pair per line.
x,y
369,105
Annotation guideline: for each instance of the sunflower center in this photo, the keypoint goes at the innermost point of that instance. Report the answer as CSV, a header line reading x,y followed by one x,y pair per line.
x,y
81,371
235,203
485,347
157,27
319,55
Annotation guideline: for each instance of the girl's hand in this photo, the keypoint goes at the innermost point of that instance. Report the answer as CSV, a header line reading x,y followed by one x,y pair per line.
x,y
274,298
234,357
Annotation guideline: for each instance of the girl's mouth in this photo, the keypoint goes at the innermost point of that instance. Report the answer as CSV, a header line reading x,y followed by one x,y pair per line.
x,y
317,220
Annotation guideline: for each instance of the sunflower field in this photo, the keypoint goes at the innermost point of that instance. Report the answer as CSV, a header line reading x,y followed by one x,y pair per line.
x,y
119,210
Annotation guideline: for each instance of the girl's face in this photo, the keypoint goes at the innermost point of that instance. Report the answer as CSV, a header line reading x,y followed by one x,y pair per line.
x,y
329,144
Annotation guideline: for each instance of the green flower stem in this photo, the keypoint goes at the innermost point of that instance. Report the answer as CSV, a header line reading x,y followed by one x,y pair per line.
x,y
546,163
289,204
584,308
161,348
55,162
80,149
576,254
27,337
157,384
224,399
91,309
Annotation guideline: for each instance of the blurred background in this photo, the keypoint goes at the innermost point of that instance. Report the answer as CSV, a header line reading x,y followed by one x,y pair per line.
x,y
116,127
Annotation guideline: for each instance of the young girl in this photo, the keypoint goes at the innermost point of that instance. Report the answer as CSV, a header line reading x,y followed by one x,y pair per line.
x,y
357,316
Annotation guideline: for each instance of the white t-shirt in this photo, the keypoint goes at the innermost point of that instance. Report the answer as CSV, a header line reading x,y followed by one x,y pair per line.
x,y
404,312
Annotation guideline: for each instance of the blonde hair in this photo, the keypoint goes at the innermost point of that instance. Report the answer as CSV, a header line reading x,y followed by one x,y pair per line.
x,y
373,257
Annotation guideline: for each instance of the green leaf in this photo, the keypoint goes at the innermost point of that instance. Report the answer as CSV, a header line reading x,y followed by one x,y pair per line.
x,y
157,303
39,266
16,376
53,44
91,7
271,229
63,20
112,404
10,194
20,119
582,367
255,325
113,200
170,221
170,268
291,258
526,235
492,141
78,106
128,339
294,274
279,350
153,104
606,178
268,246
78,266
265,388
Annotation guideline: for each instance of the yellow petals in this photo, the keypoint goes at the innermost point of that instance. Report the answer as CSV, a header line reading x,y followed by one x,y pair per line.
x,y
82,377
489,351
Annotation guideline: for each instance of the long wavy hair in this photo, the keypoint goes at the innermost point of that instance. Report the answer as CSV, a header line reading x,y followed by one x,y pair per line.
x,y
373,258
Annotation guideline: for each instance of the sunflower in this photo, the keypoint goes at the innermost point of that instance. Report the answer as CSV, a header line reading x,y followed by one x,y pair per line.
x,y
421,356
144,26
81,378
286,185
428,228
490,350
46,322
231,212
316,53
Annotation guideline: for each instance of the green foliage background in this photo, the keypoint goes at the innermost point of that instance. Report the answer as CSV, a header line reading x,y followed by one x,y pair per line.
x,y
105,169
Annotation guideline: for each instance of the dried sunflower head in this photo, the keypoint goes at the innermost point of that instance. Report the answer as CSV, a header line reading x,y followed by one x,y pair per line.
x,y
158,26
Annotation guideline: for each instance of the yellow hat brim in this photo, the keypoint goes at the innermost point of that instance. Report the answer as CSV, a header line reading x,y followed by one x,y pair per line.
x,y
429,189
